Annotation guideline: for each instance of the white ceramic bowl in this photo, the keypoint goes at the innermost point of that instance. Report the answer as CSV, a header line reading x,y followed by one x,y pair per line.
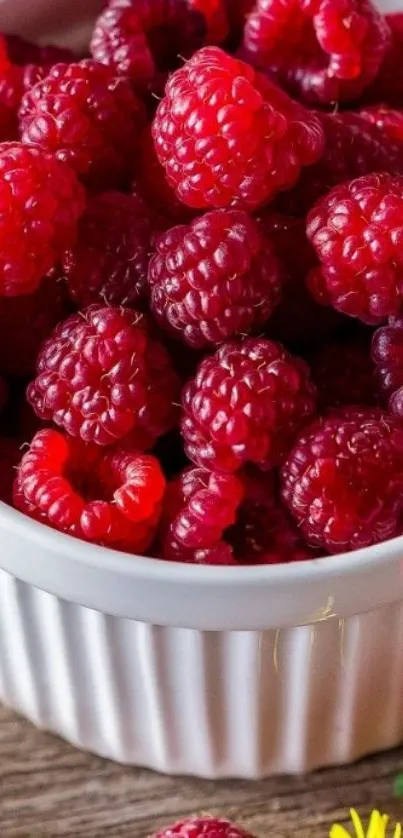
x,y
202,670
209,671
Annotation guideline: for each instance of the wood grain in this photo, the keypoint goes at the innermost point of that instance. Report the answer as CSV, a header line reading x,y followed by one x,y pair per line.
x,y
48,788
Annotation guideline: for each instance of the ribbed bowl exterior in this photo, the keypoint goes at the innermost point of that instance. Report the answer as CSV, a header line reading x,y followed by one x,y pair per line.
x,y
212,704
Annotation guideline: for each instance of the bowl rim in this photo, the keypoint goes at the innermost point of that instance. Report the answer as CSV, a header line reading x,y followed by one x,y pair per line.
x,y
200,597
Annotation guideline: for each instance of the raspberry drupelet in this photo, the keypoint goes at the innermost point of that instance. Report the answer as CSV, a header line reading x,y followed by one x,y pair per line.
x,y
214,278
145,40
87,117
388,120
102,377
342,481
344,374
203,827
246,404
25,322
229,137
111,498
109,262
40,203
387,354
324,51
357,233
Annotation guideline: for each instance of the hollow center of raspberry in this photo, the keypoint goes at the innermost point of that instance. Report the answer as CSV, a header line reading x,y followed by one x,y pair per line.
x,y
87,484
250,537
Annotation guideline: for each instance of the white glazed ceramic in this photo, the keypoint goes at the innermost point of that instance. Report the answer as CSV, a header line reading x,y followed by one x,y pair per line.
x,y
208,671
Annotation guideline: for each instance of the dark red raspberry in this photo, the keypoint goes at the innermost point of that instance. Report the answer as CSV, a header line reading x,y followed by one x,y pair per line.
x,y
388,120
298,319
203,827
237,11
25,322
216,17
354,146
343,480
109,262
86,117
201,508
387,86
264,532
246,403
344,374
146,39
10,455
113,498
387,353
151,183
215,278
325,51
228,137
101,376
42,201
357,232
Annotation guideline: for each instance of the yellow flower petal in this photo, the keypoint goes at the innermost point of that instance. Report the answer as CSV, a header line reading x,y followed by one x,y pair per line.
x,y
377,827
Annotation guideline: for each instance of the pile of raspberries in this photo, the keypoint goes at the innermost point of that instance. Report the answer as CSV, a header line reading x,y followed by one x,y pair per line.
x,y
201,280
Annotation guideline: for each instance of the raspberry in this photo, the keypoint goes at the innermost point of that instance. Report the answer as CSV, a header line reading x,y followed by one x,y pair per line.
x,y
215,15
42,202
151,183
322,50
110,259
264,533
213,279
246,404
343,480
387,86
86,117
208,505
386,119
25,322
298,318
102,377
357,233
146,39
354,146
228,137
344,374
387,353
113,498
203,827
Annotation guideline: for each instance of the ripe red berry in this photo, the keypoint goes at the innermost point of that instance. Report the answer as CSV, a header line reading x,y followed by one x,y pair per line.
x,y
41,201
343,480
354,146
25,322
388,120
357,233
110,259
11,91
228,137
298,319
144,40
215,278
102,377
344,374
203,827
204,505
86,117
113,498
325,51
246,403
34,60
387,353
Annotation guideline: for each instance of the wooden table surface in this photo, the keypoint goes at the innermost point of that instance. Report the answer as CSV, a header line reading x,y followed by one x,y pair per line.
x,y
47,788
